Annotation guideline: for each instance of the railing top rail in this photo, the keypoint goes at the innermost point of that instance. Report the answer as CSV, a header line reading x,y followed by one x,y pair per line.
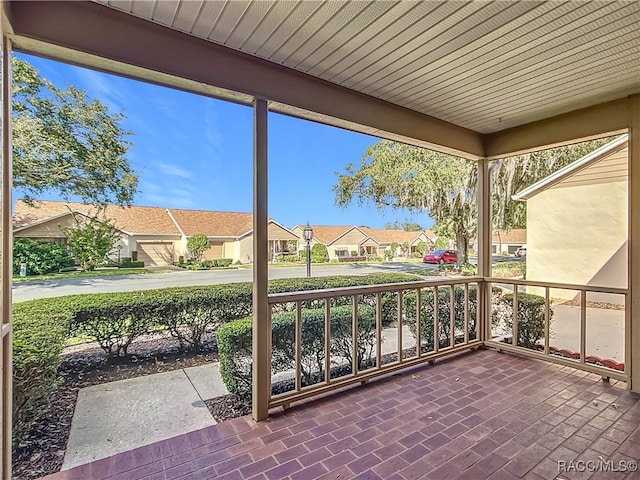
x,y
565,286
366,289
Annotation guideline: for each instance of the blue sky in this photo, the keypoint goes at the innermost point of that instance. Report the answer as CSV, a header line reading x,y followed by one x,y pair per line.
x,y
196,152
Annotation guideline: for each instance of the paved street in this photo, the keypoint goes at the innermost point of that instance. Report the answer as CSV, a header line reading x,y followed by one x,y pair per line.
x,y
72,286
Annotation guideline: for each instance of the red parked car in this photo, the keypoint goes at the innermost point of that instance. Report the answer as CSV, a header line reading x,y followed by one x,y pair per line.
x,y
441,257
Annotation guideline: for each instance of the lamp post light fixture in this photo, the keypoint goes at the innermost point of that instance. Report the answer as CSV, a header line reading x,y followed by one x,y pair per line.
x,y
119,247
307,234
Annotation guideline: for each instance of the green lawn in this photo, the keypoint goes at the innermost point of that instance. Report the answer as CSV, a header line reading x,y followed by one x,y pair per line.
x,y
101,272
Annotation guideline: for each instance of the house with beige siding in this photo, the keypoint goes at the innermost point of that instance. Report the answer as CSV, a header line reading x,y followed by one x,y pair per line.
x,y
508,241
341,241
577,223
386,237
158,235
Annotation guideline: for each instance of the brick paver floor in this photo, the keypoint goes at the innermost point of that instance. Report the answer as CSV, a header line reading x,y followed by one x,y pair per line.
x,y
482,415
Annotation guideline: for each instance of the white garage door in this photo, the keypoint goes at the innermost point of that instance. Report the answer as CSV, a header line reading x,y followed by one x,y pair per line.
x,y
155,253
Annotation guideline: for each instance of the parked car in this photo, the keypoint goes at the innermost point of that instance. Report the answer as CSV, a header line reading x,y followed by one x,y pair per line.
x,y
521,252
441,257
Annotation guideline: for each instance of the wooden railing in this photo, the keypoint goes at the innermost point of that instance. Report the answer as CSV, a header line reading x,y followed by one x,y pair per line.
x,y
442,317
580,358
328,349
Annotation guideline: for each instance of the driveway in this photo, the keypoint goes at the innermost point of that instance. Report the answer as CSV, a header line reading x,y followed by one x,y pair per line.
x,y
72,286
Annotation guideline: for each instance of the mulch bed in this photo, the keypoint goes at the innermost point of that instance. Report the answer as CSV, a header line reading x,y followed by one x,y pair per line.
x,y
41,451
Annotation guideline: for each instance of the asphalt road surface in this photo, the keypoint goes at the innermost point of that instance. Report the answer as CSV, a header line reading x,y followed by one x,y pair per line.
x,y
126,283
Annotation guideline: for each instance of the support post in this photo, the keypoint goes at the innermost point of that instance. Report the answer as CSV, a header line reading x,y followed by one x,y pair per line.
x,y
6,245
484,248
632,328
261,321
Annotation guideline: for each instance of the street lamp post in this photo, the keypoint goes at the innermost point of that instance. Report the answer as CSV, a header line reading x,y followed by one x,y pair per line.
x,y
119,247
307,233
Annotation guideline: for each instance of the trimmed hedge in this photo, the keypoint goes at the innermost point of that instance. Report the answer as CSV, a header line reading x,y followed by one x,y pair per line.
x,y
235,342
531,311
114,320
353,258
40,329
427,315
132,264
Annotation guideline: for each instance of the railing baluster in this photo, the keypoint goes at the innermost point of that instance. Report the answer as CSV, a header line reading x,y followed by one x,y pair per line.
x,y
419,322
466,312
299,299
436,320
452,314
354,335
400,325
327,340
298,346
583,325
378,329
514,340
547,320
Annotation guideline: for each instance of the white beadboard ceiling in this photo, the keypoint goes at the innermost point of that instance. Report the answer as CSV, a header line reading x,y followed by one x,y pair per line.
x,y
482,65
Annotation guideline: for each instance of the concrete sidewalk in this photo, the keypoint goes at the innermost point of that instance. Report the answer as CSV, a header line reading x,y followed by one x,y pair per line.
x,y
119,416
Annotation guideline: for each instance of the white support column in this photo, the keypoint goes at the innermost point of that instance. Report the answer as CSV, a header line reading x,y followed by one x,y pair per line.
x,y
484,247
261,328
6,357
633,302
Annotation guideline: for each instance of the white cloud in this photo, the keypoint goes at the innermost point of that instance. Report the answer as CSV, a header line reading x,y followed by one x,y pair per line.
x,y
173,170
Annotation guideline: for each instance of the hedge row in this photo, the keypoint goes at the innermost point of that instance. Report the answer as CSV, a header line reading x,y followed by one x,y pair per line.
x,y
235,338
114,320
234,344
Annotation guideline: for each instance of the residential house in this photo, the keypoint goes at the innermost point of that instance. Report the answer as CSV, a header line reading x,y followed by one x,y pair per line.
x,y
508,241
386,237
159,235
342,241
577,223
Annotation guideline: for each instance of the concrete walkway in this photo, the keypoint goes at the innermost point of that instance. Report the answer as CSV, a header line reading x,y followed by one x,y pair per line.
x,y
119,416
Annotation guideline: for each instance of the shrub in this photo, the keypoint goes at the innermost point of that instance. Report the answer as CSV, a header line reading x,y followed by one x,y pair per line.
x,y
352,259
468,269
290,258
235,342
113,320
132,264
531,311
40,329
197,244
427,315
223,262
354,253
41,256
234,352
421,249
319,253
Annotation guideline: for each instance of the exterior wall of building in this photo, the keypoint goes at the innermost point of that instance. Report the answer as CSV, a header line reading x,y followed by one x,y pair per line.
x,y
245,249
577,234
47,230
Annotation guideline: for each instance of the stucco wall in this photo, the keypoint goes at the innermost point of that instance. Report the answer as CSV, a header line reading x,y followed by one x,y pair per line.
x,y
50,229
577,234
245,249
